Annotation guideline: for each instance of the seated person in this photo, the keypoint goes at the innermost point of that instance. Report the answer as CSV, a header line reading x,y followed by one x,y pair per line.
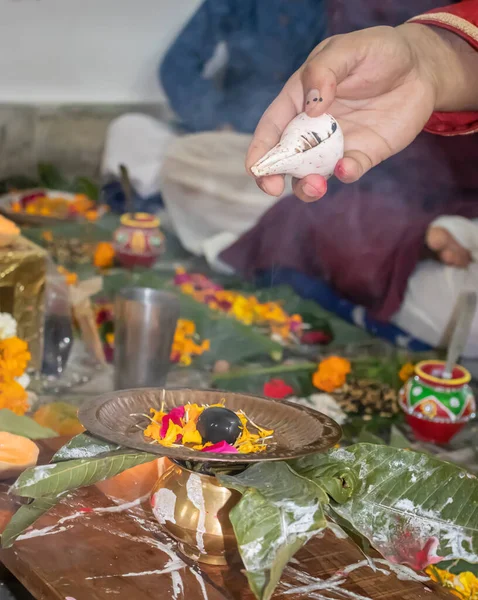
x,y
233,58
401,242
224,68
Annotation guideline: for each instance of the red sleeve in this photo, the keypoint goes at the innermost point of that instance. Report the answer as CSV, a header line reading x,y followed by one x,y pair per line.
x,y
461,19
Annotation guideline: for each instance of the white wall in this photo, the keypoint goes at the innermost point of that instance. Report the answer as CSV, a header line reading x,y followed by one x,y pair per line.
x,y
75,51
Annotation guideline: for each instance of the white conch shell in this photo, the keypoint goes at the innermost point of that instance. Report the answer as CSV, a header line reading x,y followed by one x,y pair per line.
x,y
309,145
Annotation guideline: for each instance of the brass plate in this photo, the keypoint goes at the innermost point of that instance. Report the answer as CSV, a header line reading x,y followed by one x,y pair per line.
x,y
24,218
298,430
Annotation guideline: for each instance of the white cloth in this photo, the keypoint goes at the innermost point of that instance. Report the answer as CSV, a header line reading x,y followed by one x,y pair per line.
x,y
434,288
208,193
139,142
209,197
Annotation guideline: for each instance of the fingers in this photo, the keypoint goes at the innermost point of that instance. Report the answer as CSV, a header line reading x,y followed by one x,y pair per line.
x,y
323,72
353,166
310,188
280,113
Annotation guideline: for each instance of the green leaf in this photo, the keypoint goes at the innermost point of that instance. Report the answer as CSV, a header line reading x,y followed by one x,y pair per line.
x,y
251,380
230,340
397,439
367,437
50,177
52,479
278,513
410,506
344,333
338,480
24,426
84,445
83,185
25,516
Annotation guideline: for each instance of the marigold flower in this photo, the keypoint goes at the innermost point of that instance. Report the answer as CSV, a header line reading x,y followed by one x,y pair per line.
x,y
331,374
407,371
14,397
14,358
104,255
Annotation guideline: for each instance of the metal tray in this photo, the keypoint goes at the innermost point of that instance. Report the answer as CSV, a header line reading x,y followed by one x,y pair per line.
x,y
298,430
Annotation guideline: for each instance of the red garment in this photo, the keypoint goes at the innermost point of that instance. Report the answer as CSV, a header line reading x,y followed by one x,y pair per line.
x,y
461,19
365,239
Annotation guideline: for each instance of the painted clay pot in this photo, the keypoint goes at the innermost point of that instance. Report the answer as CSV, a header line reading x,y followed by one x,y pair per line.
x,y
437,408
194,510
138,242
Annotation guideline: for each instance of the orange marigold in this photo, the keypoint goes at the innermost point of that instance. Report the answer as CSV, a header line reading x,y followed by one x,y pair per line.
x,y
407,371
14,358
104,255
14,397
331,373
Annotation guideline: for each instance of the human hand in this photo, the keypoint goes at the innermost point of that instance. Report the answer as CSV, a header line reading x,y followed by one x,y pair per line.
x,y
382,84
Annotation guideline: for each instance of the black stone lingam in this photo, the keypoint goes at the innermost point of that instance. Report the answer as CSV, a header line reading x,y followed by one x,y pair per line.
x,y
218,424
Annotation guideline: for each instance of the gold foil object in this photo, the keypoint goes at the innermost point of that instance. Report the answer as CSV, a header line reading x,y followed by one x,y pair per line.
x,y
194,510
22,291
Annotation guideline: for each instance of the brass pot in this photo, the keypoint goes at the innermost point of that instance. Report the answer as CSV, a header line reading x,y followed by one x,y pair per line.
x,y
194,510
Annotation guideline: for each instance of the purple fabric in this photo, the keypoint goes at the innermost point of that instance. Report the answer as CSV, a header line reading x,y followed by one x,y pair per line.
x,y
366,239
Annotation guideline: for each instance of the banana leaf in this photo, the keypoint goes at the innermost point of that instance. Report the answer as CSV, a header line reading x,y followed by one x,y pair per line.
x,y
252,380
230,340
25,426
55,478
343,333
413,508
25,516
84,445
277,514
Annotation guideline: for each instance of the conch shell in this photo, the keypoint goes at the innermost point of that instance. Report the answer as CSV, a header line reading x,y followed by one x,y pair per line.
x,y
309,145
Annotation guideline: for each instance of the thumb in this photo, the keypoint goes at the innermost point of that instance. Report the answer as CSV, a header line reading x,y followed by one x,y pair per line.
x,y
323,72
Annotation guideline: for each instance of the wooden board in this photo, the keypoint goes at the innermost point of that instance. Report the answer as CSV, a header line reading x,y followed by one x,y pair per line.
x,y
104,544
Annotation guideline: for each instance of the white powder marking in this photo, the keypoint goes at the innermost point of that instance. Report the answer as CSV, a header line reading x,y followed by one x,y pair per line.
x,y
58,527
52,530
196,496
178,587
201,583
312,586
169,568
164,506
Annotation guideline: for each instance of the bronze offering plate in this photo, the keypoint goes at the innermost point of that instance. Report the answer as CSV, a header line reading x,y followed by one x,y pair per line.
x,y
298,430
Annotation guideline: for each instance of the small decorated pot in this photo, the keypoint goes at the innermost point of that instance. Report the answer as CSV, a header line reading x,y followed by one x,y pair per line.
x,y
437,408
138,241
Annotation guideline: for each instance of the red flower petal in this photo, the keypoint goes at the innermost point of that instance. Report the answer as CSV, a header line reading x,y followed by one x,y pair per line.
x,y
175,416
221,448
278,389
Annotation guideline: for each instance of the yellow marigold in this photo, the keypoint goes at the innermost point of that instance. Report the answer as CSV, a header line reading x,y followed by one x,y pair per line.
x,y
91,215
331,373
407,371
14,358
464,585
104,255
14,397
47,236
110,339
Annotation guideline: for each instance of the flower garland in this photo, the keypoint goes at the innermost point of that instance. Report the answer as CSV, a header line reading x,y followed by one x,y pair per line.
x,y
14,359
464,585
246,309
186,344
